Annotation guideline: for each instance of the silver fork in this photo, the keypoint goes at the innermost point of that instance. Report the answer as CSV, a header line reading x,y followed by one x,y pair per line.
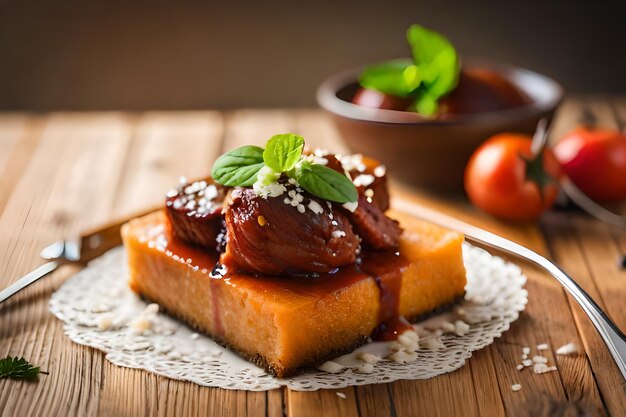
x,y
610,333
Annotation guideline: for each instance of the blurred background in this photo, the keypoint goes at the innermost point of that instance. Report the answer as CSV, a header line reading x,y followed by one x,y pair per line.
x,y
87,55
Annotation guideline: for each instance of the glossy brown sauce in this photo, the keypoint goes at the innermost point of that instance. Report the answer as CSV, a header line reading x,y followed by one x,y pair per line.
x,y
479,90
386,268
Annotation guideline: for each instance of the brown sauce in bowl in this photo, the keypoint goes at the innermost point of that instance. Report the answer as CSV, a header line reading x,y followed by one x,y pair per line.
x,y
479,90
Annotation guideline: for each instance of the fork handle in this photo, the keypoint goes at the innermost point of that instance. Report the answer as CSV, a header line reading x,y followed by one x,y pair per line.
x,y
613,338
28,279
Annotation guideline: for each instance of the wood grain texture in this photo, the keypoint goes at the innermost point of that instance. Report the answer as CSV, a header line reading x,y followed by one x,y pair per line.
x,y
589,250
65,172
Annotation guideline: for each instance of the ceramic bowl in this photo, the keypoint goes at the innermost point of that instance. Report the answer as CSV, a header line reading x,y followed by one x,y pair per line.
x,y
432,153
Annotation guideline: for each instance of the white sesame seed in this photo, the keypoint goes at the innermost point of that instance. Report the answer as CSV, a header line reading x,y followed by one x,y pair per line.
x,y
331,367
403,356
301,208
351,207
315,207
527,363
380,171
363,180
447,327
519,367
516,387
338,233
540,359
369,358
567,349
461,328
341,395
210,192
105,322
526,350
409,340
352,162
543,346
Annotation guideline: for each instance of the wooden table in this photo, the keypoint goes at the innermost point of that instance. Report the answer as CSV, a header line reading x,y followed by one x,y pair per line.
x,y
65,172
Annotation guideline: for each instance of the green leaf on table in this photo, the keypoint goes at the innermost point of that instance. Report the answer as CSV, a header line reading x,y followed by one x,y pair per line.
x,y
283,151
326,183
18,368
238,167
388,78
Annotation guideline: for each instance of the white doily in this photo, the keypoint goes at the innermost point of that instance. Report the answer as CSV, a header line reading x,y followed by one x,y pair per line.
x,y
99,310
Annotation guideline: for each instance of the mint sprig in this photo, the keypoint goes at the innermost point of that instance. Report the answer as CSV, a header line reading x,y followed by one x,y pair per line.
x,y
238,167
246,165
326,183
283,151
18,368
433,72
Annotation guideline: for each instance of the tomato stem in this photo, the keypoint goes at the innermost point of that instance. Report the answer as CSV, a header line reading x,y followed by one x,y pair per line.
x,y
535,171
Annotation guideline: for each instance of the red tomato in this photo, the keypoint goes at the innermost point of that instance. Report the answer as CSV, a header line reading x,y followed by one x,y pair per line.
x,y
503,179
595,160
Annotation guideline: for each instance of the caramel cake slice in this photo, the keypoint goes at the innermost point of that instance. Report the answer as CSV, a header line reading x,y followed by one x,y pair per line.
x,y
286,324
291,258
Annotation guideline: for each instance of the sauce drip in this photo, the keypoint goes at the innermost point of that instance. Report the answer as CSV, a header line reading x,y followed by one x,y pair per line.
x,y
386,268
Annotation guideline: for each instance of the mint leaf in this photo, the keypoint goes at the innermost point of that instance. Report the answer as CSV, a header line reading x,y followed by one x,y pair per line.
x,y
238,167
388,78
413,76
18,368
426,104
437,58
326,183
283,151
433,73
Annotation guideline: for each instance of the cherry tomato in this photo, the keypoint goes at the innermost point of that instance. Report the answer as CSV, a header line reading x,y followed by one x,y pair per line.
x,y
595,160
504,179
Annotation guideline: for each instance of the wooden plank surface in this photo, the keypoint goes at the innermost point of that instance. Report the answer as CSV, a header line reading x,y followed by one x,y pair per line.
x,y
62,173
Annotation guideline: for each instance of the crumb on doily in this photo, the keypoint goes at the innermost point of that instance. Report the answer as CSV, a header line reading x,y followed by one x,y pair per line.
x,y
331,367
369,358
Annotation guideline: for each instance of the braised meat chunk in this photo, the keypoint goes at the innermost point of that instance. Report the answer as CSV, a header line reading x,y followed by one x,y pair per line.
x,y
195,212
293,233
376,229
369,220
